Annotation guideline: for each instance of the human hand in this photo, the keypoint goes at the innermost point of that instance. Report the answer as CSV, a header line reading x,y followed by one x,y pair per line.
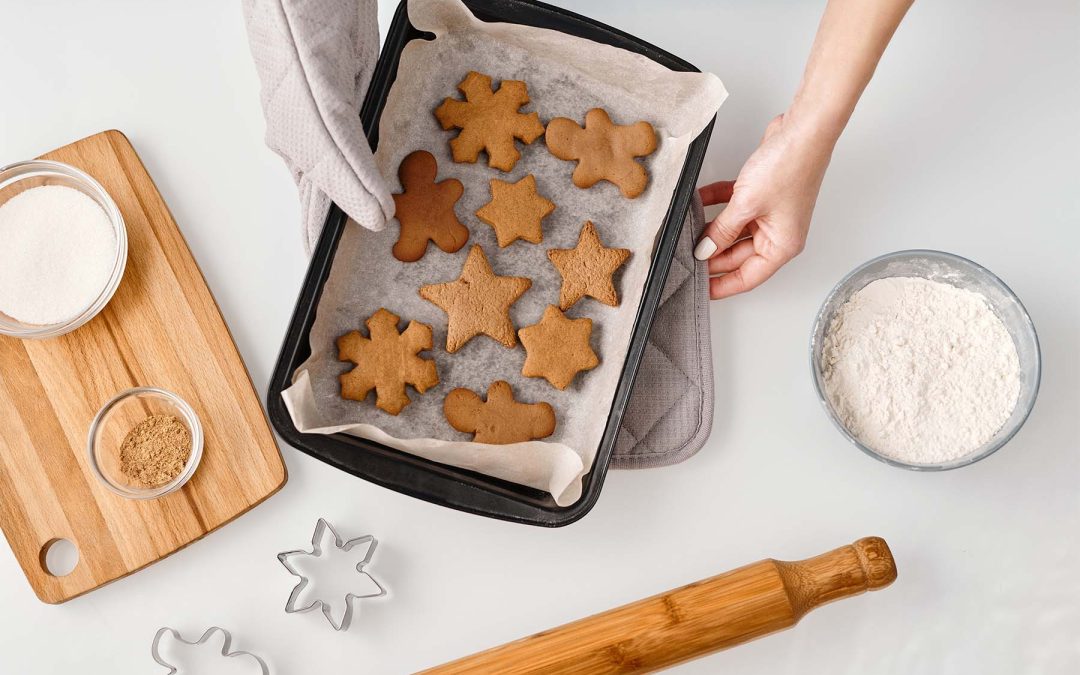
x,y
768,208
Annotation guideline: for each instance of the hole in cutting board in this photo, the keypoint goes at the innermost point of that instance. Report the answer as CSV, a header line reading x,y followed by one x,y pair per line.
x,y
59,557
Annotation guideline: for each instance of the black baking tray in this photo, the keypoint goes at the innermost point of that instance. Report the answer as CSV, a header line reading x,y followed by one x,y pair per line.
x,y
438,483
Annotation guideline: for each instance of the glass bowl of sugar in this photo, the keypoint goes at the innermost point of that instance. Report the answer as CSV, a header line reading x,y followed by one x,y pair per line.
x,y
64,252
925,360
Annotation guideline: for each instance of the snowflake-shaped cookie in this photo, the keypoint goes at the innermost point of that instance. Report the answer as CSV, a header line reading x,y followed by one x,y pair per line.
x,y
387,361
489,121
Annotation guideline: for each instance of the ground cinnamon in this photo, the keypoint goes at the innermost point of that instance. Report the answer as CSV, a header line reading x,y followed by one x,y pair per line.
x,y
155,450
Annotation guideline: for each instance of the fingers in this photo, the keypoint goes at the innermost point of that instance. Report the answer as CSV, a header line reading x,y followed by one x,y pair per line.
x,y
732,258
751,274
723,231
716,193
748,231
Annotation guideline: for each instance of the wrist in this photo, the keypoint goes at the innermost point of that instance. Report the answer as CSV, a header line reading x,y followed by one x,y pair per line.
x,y
817,120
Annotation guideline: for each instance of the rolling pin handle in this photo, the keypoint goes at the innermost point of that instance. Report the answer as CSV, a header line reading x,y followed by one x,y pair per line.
x,y
877,562
866,565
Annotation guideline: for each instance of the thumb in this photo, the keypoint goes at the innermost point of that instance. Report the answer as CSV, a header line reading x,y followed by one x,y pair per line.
x,y
723,231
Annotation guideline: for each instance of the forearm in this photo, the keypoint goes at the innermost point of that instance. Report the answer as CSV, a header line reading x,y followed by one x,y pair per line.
x,y
771,202
850,40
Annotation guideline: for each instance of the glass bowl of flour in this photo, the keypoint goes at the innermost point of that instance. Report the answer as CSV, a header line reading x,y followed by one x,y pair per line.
x,y
64,249
925,360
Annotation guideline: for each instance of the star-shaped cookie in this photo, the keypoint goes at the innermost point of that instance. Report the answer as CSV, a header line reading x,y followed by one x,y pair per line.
x,y
515,211
587,268
603,150
477,302
557,348
425,209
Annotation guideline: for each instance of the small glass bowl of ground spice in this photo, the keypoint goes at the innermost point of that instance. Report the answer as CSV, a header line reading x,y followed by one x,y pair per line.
x,y
64,249
145,443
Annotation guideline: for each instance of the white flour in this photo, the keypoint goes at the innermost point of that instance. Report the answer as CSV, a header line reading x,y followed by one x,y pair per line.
x,y
920,371
56,255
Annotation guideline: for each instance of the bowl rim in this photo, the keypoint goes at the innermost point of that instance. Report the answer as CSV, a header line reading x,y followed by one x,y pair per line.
x,y
190,417
51,167
817,376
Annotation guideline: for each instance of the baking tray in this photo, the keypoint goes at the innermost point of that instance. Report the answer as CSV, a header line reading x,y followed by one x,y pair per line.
x,y
421,478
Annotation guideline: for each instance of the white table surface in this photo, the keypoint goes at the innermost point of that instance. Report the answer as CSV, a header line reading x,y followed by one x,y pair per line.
x,y
966,141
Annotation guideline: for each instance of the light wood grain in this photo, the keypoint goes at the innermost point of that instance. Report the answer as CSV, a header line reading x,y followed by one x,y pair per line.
x,y
162,328
691,621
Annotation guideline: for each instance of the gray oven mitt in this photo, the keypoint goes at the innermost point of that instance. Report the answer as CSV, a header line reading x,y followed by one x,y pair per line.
x,y
315,59
670,412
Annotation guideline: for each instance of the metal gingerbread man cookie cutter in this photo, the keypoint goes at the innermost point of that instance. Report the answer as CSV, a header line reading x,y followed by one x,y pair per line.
x,y
317,539
155,648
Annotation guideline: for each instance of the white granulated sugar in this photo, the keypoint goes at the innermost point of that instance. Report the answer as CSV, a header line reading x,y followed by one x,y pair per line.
x,y
920,371
57,248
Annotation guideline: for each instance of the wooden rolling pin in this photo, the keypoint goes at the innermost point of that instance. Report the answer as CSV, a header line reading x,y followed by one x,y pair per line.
x,y
694,620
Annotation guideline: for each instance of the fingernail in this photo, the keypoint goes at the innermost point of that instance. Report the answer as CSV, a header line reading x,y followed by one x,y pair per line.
x,y
705,248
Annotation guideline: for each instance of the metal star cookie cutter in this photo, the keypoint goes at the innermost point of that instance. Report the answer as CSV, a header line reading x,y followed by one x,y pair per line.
x,y
225,653
317,550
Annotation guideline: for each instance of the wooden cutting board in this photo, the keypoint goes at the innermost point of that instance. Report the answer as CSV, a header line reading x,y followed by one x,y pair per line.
x,y
162,328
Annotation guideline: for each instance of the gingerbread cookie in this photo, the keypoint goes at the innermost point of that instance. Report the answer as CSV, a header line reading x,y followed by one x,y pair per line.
x,y
425,209
587,268
387,361
500,419
489,121
515,211
557,348
603,150
477,302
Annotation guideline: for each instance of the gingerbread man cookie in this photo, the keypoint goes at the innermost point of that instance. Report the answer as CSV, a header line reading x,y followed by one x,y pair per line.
x,y
603,150
500,419
425,209
478,302
557,348
386,361
515,211
489,121
587,268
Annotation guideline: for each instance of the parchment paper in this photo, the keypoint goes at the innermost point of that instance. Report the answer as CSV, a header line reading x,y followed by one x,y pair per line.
x,y
566,77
